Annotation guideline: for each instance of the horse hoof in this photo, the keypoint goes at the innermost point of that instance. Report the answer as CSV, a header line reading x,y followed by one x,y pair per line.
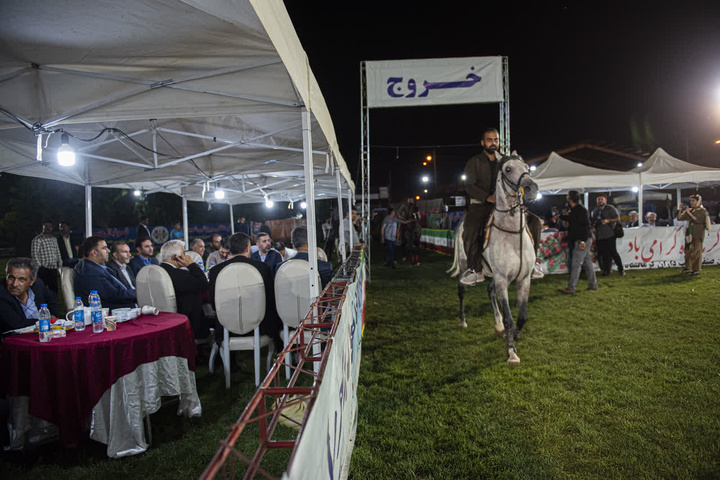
x,y
513,359
500,333
463,324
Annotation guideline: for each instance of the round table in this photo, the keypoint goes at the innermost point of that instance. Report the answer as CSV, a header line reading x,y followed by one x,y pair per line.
x,y
65,378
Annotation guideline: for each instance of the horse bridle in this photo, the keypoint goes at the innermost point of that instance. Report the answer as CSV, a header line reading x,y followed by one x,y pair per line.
x,y
517,190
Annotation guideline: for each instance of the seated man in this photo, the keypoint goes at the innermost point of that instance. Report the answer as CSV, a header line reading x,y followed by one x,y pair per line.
x,y
22,293
239,246
651,220
299,238
218,256
212,246
265,252
188,285
144,256
92,274
633,220
285,252
120,253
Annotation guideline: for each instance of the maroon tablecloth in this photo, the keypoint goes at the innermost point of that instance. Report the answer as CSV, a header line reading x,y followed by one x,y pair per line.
x,y
66,377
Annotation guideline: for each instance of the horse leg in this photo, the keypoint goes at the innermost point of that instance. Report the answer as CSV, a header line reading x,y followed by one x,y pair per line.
x,y
523,292
461,296
501,290
499,327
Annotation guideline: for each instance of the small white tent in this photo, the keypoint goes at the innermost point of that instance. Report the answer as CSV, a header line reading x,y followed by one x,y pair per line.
x,y
558,174
662,170
173,95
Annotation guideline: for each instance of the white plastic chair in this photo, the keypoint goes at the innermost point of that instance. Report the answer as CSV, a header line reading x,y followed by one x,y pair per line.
x,y
196,258
67,283
240,307
292,296
155,288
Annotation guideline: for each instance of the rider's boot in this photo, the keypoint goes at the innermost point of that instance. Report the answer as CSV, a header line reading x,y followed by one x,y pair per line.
x,y
537,272
470,277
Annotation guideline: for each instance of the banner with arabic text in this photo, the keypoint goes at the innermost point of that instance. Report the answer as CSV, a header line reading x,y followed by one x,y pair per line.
x,y
442,81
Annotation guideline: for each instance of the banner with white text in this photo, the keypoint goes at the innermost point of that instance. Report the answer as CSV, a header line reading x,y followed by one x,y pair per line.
x,y
442,81
325,446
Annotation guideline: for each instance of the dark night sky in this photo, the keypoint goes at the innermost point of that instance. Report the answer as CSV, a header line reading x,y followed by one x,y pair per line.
x,y
576,73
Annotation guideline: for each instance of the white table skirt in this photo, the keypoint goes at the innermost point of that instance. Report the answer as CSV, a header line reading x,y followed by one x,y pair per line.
x,y
117,419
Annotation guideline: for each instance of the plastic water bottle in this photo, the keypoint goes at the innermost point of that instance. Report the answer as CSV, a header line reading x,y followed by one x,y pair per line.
x,y
44,323
96,306
79,315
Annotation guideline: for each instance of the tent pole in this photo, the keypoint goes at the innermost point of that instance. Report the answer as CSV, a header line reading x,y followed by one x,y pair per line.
x,y
586,196
310,201
678,192
341,232
88,210
185,223
640,202
310,218
232,220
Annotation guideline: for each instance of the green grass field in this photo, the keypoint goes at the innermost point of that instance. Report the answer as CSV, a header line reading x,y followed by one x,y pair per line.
x,y
622,382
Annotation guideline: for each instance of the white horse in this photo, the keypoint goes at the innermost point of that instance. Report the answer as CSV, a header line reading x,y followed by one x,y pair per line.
x,y
509,255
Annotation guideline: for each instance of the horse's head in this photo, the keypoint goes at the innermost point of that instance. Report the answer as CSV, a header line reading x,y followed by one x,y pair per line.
x,y
516,179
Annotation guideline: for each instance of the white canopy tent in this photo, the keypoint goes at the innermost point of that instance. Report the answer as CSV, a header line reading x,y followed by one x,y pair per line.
x,y
660,171
180,96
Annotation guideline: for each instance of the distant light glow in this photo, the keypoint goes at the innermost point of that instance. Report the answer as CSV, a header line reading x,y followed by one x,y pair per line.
x,y
417,197
426,190
269,203
639,164
425,179
137,193
424,164
533,168
463,177
429,158
539,196
303,205
635,189
219,194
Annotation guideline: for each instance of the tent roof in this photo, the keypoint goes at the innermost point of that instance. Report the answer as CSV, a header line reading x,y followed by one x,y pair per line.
x,y
558,174
170,95
662,168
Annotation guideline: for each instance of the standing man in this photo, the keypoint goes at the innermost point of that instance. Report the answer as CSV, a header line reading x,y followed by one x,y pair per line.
x,y
68,251
350,219
265,252
389,234
144,256
604,217
579,238
242,226
481,173
120,257
45,251
143,231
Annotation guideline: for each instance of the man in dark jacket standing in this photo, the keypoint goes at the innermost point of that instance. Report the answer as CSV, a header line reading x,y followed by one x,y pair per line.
x,y
22,293
580,240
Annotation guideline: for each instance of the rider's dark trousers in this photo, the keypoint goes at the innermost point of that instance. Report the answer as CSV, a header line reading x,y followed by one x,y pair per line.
x,y
474,232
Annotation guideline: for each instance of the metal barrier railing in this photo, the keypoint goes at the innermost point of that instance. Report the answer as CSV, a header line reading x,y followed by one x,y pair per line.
x,y
311,344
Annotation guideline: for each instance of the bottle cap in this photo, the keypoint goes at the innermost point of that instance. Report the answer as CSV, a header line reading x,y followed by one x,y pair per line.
x,y
78,298
93,291
43,305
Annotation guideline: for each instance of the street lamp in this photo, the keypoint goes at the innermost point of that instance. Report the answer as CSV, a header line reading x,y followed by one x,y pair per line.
x,y
425,179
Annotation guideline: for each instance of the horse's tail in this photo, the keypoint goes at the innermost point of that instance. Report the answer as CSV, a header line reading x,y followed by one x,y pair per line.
x,y
459,260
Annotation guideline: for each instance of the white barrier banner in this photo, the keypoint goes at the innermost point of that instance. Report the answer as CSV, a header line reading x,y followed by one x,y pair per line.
x,y
442,81
325,445
661,247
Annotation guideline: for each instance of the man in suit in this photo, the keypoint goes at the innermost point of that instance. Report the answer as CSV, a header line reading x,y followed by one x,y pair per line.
x,y
239,245
120,253
68,248
143,231
144,256
299,238
189,282
22,293
633,220
265,252
92,274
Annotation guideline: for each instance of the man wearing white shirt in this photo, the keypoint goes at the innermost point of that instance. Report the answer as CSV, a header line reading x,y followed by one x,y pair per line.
x,y
120,252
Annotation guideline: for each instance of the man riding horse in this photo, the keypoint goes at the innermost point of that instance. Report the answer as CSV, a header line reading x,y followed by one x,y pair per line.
x,y
481,174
